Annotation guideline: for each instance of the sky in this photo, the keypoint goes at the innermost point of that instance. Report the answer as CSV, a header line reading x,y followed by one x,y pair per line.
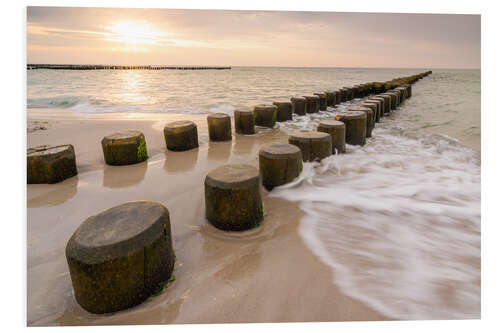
x,y
127,36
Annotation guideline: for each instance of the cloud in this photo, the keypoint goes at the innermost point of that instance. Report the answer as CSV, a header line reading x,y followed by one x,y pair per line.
x,y
412,40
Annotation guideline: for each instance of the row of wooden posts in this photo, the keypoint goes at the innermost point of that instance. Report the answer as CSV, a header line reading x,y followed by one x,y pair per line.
x,y
119,67
134,240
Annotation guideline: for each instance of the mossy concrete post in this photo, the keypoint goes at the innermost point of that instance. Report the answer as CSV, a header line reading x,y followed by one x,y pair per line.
x,y
392,98
387,103
311,103
232,197
347,94
284,111
338,97
343,94
356,90
50,164
398,96
314,145
279,164
337,131
370,120
330,98
121,256
299,105
322,101
181,135
265,115
244,121
219,127
124,148
381,105
404,93
374,107
408,88
355,126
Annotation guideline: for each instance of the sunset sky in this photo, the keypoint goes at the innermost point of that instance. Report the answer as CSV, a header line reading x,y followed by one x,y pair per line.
x,y
64,35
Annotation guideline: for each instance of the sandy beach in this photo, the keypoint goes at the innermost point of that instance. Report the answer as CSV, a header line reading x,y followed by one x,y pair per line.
x,y
263,275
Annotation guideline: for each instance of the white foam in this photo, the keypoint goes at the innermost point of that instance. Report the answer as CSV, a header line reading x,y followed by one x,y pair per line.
x,y
398,221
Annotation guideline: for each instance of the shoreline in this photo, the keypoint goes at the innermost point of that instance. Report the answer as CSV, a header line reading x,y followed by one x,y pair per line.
x,y
266,274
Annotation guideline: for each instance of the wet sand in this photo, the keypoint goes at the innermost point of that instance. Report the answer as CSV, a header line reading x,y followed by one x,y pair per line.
x,y
262,275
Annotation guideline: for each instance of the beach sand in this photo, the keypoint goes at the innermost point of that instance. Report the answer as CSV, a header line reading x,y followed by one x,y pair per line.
x,y
262,275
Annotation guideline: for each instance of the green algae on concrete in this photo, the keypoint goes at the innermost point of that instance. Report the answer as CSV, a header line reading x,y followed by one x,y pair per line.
x,y
120,257
181,135
219,127
279,164
299,105
265,115
50,164
244,121
232,197
128,147
284,111
314,145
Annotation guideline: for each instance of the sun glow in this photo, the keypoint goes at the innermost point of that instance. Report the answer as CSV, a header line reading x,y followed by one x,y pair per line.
x,y
134,33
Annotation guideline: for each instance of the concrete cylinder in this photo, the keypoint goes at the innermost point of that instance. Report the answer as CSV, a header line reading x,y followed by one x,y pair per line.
x,y
392,98
123,148
374,107
120,257
322,101
219,127
314,145
398,96
387,103
330,98
50,164
336,129
343,94
279,164
408,88
338,97
312,104
381,105
284,111
244,121
181,135
355,126
298,105
232,197
370,121
265,115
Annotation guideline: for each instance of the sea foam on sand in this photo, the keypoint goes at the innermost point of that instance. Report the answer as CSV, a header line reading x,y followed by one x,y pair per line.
x,y
398,221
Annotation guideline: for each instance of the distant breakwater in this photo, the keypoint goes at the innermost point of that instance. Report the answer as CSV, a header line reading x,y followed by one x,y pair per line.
x,y
121,67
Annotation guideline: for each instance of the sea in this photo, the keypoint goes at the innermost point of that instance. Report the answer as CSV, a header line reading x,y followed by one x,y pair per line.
x,y
397,220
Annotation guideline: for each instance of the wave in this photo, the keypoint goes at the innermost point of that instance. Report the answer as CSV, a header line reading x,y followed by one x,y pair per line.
x,y
398,221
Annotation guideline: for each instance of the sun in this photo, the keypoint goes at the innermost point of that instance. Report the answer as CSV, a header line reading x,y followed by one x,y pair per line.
x,y
134,33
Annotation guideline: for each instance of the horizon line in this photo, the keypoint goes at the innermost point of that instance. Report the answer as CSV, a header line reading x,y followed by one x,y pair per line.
x,y
255,66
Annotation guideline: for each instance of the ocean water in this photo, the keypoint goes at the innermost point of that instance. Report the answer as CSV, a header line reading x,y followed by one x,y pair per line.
x,y
398,220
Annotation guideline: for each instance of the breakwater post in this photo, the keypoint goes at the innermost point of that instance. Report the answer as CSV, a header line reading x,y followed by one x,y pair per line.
x,y
232,197
121,256
279,164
